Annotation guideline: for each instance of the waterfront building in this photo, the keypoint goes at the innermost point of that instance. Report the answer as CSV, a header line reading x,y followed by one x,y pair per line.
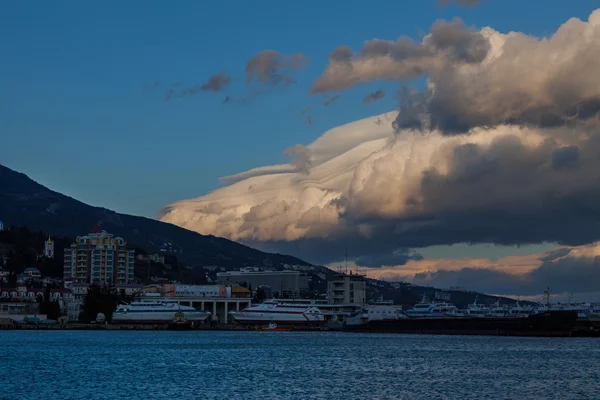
x,y
49,248
289,282
1,226
99,257
217,299
347,289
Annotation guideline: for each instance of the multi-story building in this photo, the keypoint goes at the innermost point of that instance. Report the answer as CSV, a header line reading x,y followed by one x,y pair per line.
x,y
347,289
290,282
99,257
1,226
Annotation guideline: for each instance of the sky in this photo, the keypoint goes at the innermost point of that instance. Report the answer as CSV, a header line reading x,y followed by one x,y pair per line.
x,y
85,110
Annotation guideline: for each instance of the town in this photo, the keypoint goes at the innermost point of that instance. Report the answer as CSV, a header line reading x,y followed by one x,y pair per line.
x,y
99,260
99,280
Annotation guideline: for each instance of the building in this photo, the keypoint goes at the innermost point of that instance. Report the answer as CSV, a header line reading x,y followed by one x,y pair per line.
x,y
1,226
49,248
217,299
99,257
32,273
347,289
291,282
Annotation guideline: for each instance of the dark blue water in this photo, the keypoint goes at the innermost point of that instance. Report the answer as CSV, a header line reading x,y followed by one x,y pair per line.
x,y
289,365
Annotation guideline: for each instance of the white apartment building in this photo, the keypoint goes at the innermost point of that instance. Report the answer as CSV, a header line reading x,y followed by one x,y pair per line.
x,y
347,289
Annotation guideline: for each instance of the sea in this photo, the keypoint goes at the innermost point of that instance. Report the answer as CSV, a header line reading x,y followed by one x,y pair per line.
x,y
293,365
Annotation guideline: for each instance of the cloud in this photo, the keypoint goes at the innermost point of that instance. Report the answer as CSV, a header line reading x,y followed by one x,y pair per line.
x,y
396,257
564,270
301,157
331,100
554,85
571,273
217,82
375,96
461,3
272,68
448,43
375,191
389,183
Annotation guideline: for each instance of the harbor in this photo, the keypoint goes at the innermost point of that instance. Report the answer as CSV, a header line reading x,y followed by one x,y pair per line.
x,y
152,313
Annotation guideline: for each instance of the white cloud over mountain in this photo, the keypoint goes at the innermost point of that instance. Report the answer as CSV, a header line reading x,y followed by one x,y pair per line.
x,y
503,147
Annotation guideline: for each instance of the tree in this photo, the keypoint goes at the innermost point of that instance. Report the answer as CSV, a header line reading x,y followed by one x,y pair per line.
x,y
48,306
260,295
103,299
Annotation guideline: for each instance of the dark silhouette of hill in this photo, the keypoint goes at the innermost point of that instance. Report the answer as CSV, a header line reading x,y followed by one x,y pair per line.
x,y
24,202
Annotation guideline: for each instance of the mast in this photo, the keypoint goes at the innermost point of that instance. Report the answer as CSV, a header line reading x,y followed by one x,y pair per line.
x,y
547,295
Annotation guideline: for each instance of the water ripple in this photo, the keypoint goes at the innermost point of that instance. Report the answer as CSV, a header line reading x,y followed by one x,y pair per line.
x,y
78,365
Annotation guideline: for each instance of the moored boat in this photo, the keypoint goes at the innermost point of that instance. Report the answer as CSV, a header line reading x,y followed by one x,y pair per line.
x,y
550,323
156,312
279,313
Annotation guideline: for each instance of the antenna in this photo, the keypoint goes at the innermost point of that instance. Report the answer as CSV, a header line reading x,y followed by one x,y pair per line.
x,y
346,258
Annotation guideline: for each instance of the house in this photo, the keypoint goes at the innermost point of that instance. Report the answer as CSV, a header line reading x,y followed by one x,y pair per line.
x,y
32,272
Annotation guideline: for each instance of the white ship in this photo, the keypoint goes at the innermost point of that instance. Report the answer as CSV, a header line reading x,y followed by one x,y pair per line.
x,y
155,312
279,313
427,309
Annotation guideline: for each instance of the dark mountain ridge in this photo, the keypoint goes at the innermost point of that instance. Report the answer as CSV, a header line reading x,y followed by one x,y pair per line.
x,y
24,202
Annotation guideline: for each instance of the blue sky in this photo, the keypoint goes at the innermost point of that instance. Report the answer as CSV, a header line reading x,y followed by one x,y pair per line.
x,y
74,115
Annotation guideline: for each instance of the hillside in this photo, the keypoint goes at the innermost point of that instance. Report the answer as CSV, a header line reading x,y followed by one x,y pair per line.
x,y
24,202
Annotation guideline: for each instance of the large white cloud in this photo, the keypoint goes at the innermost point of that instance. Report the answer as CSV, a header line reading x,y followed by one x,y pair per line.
x,y
383,184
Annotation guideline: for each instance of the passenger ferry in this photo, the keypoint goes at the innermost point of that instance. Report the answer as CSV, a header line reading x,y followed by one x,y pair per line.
x,y
279,313
156,312
427,309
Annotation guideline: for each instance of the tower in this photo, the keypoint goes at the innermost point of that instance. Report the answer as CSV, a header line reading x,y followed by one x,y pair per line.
x,y
49,248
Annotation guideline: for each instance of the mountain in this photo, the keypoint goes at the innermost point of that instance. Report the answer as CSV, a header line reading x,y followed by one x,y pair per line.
x,y
24,202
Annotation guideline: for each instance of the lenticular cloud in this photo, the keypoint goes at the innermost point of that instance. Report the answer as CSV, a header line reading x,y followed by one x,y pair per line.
x,y
503,147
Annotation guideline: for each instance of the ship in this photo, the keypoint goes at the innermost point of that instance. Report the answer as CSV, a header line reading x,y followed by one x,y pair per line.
x,y
280,313
156,312
549,323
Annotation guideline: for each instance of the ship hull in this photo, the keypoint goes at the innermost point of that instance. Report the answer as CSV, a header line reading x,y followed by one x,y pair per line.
x,y
157,317
551,324
262,318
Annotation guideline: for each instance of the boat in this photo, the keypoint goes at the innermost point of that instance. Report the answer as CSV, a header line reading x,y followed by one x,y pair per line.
x,y
549,323
427,309
273,327
156,312
180,322
280,313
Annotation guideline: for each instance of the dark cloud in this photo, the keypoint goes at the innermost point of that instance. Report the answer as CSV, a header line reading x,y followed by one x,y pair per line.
x,y
331,100
301,157
375,96
506,193
458,41
566,157
504,90
568,274
396,257
405,59
217,82
272,68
